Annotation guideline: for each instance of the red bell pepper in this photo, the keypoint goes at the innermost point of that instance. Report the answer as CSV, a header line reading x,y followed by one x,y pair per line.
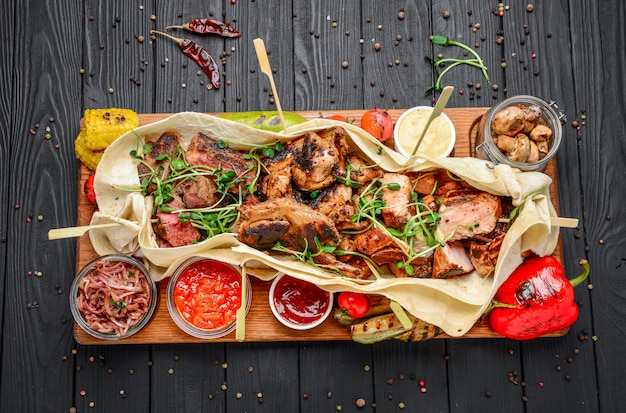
x,y
536,299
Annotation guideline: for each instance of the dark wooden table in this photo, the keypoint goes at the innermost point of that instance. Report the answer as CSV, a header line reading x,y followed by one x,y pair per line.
x,y
61,57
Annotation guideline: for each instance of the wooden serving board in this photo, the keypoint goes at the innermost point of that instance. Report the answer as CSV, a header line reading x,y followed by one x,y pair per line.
x,y
261,326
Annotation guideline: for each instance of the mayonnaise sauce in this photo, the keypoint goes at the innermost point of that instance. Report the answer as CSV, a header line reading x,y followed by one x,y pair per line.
x,y
437,138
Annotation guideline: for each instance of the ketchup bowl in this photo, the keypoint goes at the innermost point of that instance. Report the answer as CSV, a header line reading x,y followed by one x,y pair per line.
x,y
113,297
203,296
299,304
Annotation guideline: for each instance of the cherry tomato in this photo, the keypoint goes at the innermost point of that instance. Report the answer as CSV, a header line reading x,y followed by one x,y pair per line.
x,y
356,305
337,117
90,193
378,123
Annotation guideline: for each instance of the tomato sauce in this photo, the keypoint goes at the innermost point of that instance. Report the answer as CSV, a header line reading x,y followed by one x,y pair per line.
x,y
300,302
207,294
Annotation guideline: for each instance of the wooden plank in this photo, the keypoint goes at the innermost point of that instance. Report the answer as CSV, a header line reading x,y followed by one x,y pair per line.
x,y
35,51
261,324
598,76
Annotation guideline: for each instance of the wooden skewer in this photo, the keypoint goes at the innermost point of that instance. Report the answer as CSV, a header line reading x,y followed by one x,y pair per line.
x,y
71,232
556,222
264,62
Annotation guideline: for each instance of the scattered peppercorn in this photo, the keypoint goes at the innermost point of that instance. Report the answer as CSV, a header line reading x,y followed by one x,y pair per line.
x,y
530,8
446,14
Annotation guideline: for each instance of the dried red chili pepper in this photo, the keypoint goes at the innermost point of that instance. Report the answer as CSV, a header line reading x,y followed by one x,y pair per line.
x,y
536,299
208,26
199,55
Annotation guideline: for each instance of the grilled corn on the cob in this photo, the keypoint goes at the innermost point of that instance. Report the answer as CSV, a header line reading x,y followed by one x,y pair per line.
x,y
102,127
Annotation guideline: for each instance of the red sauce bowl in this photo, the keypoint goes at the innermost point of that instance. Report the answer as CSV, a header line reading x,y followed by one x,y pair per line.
x,y
203,297
299,304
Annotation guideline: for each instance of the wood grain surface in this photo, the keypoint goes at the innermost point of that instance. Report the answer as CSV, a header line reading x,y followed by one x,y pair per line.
x,y
260,323
61,57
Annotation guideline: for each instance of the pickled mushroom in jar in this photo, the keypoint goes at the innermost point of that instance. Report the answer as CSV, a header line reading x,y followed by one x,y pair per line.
x,y
541,133
521,151
509,121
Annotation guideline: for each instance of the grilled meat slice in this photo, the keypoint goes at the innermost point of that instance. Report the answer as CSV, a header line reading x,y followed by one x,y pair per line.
x,y
278,184
422,268
155,164
399,205
198,192
287,221
336,203
485,255
450,260
373,240
356,267
361,171
468,214
203,150
172,232
313,167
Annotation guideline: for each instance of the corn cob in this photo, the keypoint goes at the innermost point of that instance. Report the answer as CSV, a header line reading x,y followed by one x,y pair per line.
x,y
87,156
102,127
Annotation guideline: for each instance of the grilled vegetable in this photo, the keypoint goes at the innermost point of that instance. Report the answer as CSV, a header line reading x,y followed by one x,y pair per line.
x,y
102,127
375,329
265,120
420,331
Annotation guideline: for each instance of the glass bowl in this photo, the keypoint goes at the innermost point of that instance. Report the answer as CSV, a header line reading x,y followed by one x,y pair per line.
x,y
203,296
497,135
439,140
299,304
113,297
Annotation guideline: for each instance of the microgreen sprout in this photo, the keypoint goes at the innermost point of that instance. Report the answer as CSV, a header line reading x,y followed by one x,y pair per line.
x,y
450,63
516,211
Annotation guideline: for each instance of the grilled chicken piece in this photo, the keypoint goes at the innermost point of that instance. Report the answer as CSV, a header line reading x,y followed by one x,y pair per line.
x,y
170,231
450,260
361,171
314,166
399,208
166,144
203,150
356,267
277,184
466,214
287,221
336,203
198,192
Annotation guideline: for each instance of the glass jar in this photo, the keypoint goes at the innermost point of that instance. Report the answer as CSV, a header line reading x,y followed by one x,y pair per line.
x,y
486,146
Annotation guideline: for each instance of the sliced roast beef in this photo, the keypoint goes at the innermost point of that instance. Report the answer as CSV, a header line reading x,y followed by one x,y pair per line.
x,y
203,150
173,232
156,163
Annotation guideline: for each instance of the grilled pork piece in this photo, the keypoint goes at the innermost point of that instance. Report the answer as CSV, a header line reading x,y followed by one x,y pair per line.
x,y
450,260
155,167
422,268
465,214
171,232
399,208
314,167
198,192
203,150
372,241
287,221
485,255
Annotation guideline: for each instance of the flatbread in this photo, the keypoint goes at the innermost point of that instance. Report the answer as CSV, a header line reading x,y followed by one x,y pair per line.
x,y
452,304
